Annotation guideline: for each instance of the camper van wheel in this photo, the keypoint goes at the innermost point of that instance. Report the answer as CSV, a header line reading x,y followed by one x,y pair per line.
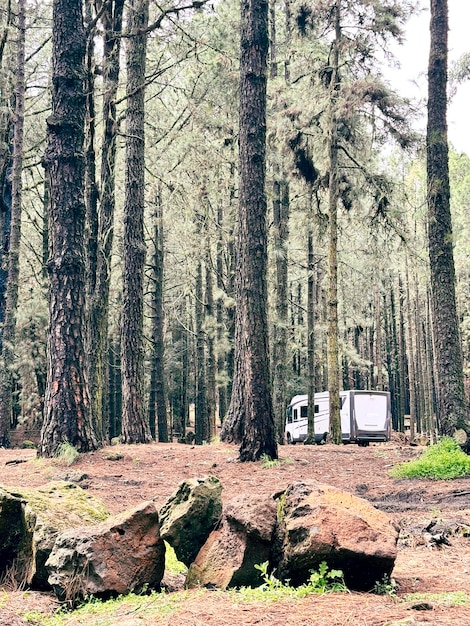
x,y
363,444
289,440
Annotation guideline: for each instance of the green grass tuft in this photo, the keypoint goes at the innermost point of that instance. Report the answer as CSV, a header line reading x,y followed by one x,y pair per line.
x,y
442,461
446,598
66,454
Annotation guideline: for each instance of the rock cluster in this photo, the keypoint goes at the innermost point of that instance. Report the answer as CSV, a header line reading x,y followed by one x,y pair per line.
x,y
82,551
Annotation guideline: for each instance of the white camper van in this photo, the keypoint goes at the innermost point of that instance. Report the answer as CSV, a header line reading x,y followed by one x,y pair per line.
x,y
365,417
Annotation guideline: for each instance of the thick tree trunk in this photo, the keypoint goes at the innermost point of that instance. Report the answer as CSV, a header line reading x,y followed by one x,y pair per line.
x,y
67,407
11,304
448,353
135,428
250,420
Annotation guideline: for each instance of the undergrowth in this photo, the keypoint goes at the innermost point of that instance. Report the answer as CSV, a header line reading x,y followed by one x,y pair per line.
x,y
109,612
268,463
66,454
442,461
448,598
322,580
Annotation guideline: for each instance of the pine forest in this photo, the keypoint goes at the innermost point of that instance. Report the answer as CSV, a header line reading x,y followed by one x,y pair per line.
x,y
210,206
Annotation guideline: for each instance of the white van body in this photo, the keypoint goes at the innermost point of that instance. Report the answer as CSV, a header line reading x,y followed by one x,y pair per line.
x,y
365,417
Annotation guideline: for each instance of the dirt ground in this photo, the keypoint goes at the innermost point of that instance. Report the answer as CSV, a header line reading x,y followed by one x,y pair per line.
x,y
434,518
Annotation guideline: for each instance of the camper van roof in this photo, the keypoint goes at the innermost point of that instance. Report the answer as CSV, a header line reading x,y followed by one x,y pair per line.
x,y
297,399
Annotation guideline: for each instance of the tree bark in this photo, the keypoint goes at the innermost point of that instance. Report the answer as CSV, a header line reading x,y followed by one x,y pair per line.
x,y
67,407
250,420
333,350
111,16
135,428
11,303
310,336
448,353
158,420
201,419
281,231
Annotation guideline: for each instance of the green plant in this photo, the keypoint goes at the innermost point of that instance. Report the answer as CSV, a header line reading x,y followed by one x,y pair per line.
x,y
324,580
446,598
270,581
66,453
267,462
442,461
386,587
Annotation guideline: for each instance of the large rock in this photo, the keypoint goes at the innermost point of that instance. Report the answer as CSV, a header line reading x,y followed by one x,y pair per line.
x,y
320,523
30,520
242,540
190,514
122,554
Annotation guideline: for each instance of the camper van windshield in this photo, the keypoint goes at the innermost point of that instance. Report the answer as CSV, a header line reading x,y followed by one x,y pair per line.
x,y
289,415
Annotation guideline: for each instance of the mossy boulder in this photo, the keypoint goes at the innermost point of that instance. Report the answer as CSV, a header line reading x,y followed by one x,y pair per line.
x,y
190,514
31,519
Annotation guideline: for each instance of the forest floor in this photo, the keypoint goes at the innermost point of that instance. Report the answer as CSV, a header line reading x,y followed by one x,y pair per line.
x,y
433,580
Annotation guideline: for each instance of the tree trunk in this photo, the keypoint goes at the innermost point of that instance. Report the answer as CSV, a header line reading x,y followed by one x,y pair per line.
x,y
67,407
201,425
157,401
250,420
91,187
135,428
11,304
411,354
280,223
211,360
221,359
111,16
5,164
310,336
333,333
448,353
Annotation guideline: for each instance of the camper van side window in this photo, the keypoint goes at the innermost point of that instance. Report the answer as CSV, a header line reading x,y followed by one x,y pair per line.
x,y
343,400
317,408
296,417
303,411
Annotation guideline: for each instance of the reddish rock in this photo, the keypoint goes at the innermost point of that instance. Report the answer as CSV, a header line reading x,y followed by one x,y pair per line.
x,y
320,523
242,540
122,554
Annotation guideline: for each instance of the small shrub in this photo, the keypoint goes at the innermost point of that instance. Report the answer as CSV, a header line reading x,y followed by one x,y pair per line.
x,y
270,581
386,587
442,461
28,445
324,580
